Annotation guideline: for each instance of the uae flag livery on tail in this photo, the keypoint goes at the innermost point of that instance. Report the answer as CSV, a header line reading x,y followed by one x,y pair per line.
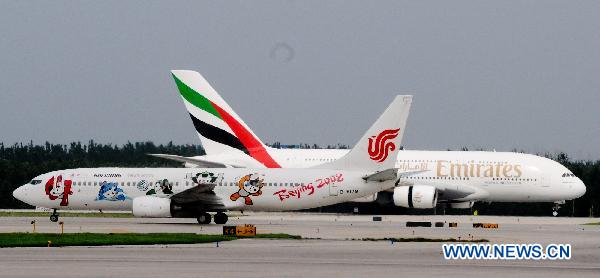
x,y
216,123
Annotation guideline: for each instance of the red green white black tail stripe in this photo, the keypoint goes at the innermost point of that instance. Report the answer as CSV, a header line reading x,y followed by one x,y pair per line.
x,y
220,129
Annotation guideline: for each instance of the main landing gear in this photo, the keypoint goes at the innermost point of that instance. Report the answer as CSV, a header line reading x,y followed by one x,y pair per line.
x,y
205,218
54,216
221,218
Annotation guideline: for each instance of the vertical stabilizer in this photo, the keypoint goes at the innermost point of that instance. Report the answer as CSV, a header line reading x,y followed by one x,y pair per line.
x,y
220,129
378,148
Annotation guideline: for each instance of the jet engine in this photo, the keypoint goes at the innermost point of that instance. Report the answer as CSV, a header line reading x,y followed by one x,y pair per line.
x,y
150,206
415,196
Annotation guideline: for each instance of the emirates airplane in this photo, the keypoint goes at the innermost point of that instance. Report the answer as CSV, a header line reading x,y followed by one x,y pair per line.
x,y
458,178
194,192
229,142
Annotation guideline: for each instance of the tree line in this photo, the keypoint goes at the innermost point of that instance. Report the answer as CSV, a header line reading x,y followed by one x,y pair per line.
x,y
19,163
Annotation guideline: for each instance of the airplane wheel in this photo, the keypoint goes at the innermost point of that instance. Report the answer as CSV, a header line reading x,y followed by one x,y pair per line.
x,y
204,218
54,218
221,218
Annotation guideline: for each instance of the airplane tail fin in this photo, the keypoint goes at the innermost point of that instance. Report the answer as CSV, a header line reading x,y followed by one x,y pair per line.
x,y
378,149
220,129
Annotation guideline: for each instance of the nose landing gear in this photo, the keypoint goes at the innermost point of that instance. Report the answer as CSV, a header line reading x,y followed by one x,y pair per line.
x,y
54,216
556,207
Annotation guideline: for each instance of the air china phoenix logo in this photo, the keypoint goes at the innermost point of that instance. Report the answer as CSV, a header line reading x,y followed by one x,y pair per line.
x,y
380,145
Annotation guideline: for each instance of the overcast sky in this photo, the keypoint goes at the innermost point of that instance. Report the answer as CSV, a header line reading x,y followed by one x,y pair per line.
x,y
485,74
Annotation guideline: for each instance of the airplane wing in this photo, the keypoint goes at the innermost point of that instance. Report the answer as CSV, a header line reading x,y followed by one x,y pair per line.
x,y
457,192
199,198
195,160
462,193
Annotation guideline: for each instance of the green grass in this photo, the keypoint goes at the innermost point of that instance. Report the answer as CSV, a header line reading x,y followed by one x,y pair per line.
x,y
94,239
593,223
422,239
64,214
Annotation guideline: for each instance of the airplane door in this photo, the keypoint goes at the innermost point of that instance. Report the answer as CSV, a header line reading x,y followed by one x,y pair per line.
x,y
333,189
542,181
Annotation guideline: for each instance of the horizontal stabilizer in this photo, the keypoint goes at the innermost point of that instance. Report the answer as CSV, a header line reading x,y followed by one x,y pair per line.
x,y
195,160
385,175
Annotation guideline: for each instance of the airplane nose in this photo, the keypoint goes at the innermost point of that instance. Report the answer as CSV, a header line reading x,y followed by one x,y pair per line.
x,y
19,193
579,189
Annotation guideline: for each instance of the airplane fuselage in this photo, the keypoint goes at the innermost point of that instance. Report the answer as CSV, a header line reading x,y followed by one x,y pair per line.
x,y
487,176
238,189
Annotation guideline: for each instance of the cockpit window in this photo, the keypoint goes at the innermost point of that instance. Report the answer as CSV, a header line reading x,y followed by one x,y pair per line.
x,y
35,181
568,175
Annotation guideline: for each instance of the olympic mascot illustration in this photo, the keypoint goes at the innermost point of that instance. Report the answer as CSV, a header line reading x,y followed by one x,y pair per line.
x,y
59,189
110,191
249,185
161,187
207,178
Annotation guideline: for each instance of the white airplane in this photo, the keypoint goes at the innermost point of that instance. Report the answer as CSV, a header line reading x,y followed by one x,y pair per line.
x,y
459,178
193,192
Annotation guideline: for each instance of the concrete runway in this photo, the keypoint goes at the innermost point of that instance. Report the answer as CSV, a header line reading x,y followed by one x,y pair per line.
x,y
330,255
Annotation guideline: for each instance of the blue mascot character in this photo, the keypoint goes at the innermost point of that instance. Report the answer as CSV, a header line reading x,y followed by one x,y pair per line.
x,y
110,191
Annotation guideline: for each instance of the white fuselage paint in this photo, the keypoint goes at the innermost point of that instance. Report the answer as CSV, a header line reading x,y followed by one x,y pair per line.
x,y
286,158
537,179
284,189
